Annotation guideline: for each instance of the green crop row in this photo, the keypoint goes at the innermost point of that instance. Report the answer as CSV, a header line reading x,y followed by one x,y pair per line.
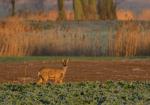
x,y
84,93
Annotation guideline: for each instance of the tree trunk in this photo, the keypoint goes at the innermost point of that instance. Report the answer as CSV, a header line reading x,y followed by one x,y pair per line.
x,y
78,10
90,9
13,3
106,9
61,10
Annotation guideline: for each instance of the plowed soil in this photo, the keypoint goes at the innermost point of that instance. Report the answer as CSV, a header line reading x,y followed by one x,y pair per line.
x,y
26,72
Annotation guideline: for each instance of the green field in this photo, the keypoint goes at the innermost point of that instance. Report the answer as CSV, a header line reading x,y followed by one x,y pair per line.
x,y
74,58
84,93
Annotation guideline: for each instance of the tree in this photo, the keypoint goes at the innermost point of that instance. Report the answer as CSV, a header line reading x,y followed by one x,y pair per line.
x,y
93,9
90,10
78,10
61,10
13,6
85,9
106,9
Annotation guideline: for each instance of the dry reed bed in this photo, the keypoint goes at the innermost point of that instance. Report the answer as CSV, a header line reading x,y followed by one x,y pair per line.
x,y
130,40
17,38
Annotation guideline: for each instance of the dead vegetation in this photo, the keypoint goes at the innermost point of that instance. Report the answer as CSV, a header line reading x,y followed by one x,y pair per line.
x,y
18,38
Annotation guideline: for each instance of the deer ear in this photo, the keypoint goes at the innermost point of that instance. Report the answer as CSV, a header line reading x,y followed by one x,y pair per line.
x,y
63,61
67,60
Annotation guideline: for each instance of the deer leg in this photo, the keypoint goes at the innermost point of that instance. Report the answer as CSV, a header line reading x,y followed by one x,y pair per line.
x,y
55,81
61,81
39,81
45,80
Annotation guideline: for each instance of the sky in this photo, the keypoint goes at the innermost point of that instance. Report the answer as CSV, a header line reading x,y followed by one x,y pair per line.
x,y
135,5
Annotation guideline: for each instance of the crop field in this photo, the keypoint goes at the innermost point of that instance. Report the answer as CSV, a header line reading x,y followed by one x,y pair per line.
x,y
87,93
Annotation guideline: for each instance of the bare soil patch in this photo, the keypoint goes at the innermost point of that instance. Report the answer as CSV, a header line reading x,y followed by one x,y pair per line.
x,y
25,72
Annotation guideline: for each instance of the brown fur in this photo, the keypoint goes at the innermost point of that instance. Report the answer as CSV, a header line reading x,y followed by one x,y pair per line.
x,y
55,75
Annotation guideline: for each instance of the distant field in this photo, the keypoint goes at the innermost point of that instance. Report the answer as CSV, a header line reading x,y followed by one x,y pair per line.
x,y
73,58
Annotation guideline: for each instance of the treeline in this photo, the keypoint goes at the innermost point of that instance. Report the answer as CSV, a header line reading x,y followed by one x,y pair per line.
x,y
83,9
90,9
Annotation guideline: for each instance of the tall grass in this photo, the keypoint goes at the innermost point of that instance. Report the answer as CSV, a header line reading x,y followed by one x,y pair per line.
x,y
18,38
131,40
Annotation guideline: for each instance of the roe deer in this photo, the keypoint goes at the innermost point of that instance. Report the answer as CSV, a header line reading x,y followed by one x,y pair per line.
x,y
56,75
